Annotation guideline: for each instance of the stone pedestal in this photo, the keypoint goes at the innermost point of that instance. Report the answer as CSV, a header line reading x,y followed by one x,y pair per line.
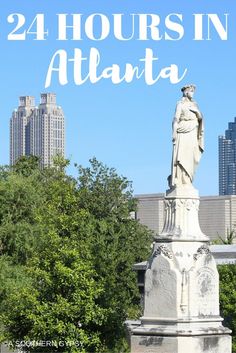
x,y
181,216
181,303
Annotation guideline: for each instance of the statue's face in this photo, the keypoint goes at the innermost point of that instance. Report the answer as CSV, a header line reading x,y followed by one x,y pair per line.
x,y
189,92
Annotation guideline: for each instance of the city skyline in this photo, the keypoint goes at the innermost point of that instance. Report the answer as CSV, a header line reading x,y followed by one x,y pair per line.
x,y
126,126
37,130
227,160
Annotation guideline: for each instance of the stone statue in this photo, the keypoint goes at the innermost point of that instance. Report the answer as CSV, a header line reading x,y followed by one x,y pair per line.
x,y
181,290
187,139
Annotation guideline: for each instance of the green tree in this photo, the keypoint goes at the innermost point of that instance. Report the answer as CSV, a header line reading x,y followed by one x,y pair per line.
x,y
117,242
26,165
68,246
228,298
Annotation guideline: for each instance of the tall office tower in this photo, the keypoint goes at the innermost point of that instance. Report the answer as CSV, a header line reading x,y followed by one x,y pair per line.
x,y
227,161
37,131
19,128
47,130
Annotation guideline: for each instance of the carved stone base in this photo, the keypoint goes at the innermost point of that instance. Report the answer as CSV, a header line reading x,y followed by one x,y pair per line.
x,y
181,344
181,310
181,280
181,216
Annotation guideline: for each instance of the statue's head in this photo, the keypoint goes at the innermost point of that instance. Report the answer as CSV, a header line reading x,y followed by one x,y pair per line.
x,y
188,90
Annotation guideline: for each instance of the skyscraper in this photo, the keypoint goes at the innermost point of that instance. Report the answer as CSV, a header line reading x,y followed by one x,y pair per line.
x,y
227,161
37,131
19,131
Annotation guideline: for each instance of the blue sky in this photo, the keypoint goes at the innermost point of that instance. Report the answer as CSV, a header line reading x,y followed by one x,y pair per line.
x,y
126,126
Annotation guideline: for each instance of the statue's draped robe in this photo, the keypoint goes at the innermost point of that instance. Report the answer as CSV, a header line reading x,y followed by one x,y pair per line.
x,y
188,145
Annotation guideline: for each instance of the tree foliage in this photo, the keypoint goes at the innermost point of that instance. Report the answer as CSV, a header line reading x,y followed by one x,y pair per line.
x,y
67,250
228,298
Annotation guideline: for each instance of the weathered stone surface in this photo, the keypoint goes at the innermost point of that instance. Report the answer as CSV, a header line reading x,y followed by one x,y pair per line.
x,y
196,344
181,280
161,282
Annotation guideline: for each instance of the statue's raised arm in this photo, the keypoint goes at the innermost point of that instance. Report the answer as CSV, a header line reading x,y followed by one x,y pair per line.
x,y
187,139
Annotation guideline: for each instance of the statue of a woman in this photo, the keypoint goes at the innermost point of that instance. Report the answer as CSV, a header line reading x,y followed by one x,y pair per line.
x,y
187,139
